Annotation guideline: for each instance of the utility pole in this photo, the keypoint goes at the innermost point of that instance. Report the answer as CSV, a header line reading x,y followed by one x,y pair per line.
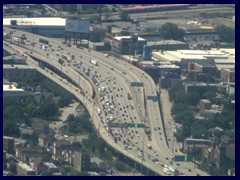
x,y
100,13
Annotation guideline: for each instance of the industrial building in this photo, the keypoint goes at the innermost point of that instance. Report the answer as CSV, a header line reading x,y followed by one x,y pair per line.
x,y
149,27
127,45
99,46
199,36
157,69
183,57
168,45
18,72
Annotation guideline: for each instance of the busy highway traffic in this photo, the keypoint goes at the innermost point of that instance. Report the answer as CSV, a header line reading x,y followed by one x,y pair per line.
x,y
121,99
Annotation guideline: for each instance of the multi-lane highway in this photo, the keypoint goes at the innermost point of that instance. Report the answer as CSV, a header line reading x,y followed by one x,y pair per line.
x,y
111,80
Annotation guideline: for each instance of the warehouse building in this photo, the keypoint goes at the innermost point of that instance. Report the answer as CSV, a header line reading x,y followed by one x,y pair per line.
x,y
53,27
183,57
168,45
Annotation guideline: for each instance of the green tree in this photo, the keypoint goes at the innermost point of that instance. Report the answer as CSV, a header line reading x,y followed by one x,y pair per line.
x,y
106,15
97,35
193,98
226,33
171,31
120,166
13,167
199,129
114,10
10,128
94,19
48,109
124,16
209,95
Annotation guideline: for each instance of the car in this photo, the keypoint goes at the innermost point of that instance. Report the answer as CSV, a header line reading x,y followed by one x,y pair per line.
x,y
178,164
189,170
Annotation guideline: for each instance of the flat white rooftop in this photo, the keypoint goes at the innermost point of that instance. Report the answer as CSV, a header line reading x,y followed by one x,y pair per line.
x,y
127,37
35,21
25,166
11,88
221,55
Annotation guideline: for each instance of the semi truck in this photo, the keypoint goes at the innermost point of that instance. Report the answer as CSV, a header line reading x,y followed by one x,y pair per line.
x,y
94,62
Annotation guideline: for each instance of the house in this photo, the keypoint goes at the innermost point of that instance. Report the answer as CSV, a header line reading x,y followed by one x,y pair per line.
x,y
25,170
59,146
81,161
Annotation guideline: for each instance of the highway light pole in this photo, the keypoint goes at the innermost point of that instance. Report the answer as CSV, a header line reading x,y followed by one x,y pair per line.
x,y
79,79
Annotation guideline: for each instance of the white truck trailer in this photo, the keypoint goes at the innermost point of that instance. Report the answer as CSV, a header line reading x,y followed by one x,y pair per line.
x,y
94,62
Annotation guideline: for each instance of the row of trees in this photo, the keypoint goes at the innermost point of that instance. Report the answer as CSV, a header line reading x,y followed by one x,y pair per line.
x,y
20,111
17,111
78,125
171,31
226,34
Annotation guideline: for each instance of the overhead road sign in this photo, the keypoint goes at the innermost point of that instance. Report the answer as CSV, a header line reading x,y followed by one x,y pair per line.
x,y
137,84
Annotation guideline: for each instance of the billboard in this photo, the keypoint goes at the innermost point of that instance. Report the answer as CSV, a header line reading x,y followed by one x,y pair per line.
x,y
78,26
